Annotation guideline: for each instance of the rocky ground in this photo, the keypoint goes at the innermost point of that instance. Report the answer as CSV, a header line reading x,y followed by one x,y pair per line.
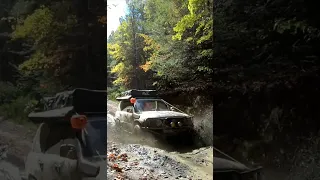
x,y
130,157
152,159
145,162
16,142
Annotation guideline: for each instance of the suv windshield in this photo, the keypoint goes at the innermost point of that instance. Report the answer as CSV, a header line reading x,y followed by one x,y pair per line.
x,y
142,105
96,137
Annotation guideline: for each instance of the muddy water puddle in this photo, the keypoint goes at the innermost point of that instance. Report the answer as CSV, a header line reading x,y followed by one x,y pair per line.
x,y
135,161
134,158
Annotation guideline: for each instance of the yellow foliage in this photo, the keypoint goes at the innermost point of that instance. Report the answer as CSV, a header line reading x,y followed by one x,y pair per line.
x,y
102,19
36,62
121,81
116,51
118,68
36,25
146,66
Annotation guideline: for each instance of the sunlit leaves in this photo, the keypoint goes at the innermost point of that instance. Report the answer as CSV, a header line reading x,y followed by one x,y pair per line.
x,y
41,25
168,33
185,23
36,62
118,68
146,67
36,26
200,17
44,30
116,51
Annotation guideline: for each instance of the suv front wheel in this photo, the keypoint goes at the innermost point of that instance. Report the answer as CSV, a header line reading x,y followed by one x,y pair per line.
x,y
137,130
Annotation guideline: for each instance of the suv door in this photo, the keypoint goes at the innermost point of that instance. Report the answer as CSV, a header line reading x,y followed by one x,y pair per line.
x,y
127,117
42,164
33,165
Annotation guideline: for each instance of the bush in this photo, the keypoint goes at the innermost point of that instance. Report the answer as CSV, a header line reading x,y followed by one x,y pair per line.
x,y
8,92
18,109
114,92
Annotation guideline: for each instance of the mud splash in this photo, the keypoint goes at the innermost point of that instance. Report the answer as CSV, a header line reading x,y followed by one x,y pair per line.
x,y
145,162
130,157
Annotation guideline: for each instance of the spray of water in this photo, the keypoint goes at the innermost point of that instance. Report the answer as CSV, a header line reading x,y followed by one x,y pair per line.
x,y
203,123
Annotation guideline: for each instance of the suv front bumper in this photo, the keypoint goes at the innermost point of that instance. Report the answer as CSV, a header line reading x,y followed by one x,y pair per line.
x,y
170,131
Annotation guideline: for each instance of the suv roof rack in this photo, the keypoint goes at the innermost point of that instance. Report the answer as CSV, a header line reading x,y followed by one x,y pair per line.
x,y
137,94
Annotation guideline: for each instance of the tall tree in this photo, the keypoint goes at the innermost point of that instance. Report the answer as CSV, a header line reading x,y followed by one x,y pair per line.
x,y
127,48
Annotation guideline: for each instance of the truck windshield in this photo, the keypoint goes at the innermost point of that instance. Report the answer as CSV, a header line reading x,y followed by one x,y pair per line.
x,y
96,137
142,105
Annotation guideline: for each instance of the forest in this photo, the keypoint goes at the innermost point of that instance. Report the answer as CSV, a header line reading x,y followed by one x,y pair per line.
x,y
255,62
47,47
164,45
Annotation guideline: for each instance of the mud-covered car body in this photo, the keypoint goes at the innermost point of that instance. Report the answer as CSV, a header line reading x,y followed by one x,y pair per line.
x,y
71,136
161,119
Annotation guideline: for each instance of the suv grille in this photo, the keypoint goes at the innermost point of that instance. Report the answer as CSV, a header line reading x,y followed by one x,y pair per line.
x,y
175,120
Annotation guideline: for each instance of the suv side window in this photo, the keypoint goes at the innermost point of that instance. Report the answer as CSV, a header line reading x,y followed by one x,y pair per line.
x,y
123,105
56,136
128,108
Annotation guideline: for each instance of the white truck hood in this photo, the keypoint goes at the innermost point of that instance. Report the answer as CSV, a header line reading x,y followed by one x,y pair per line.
x,y
161,114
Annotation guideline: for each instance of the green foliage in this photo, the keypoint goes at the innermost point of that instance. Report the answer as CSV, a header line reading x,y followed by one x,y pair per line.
x,y
114,92
164,60
200,17
36,26
44,51
18,109
127,48
38,61
8,92
45,30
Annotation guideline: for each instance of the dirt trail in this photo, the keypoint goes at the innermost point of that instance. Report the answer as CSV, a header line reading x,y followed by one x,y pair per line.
x,y
16,142
151,159
139,161
18,138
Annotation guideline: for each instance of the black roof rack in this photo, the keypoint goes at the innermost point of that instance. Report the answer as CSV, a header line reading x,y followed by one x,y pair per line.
x,y
82,101
137,94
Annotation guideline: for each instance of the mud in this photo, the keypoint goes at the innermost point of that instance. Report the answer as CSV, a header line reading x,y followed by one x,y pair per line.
x,y
131,157
145,162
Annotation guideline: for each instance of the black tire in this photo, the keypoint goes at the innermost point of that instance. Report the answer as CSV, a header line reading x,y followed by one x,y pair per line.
x,y
137,130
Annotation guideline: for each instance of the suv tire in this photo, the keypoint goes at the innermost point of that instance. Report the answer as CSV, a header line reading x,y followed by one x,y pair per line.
x,y
137,130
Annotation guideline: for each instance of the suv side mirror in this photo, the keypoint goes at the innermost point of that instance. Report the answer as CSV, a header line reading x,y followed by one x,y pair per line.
x,y
87,168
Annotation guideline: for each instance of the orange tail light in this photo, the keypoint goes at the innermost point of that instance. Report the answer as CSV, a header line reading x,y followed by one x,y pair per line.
x,y
78,121
133,100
